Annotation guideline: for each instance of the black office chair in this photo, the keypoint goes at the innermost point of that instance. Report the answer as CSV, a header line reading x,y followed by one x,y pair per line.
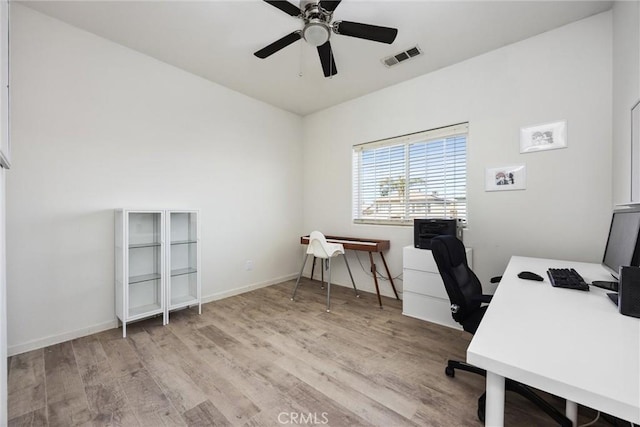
x,y
465,294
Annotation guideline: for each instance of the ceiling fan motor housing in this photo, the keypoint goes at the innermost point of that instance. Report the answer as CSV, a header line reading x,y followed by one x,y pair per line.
x,y
316,29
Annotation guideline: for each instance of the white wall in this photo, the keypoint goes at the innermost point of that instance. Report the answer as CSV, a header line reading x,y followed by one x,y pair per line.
x,y
565,210
626,91
96,126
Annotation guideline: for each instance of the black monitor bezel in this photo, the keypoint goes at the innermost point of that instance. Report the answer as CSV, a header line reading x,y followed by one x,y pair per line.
x,y
635,257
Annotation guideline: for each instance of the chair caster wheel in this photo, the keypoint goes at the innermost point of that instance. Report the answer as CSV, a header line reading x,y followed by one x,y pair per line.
x,y
449,371
481,407
328,311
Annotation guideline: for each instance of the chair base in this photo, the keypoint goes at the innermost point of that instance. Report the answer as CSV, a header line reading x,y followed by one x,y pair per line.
x,y
452,365
509,385
327,262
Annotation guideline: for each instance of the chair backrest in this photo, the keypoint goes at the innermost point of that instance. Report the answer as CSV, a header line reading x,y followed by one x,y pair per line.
x,y
320,248
461,283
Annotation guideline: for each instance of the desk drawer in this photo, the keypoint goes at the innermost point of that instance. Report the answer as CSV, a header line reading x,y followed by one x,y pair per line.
x,y
418,259
422,259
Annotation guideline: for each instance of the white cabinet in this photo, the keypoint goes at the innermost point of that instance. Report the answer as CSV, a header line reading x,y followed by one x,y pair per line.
x,y
183,259
424,295
153,274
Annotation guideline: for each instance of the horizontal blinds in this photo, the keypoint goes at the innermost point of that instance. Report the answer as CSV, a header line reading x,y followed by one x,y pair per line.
x,y
420,175
443,132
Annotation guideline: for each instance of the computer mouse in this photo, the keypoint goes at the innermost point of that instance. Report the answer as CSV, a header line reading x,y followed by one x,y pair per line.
x,y
530,276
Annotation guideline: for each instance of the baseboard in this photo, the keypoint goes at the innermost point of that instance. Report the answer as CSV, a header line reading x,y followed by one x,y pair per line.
x,y
57,339
244,289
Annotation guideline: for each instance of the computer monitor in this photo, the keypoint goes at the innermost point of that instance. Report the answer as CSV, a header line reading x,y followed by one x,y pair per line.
x,y
623,244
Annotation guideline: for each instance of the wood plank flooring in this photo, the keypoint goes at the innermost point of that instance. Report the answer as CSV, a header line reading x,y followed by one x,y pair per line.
x,y
259,359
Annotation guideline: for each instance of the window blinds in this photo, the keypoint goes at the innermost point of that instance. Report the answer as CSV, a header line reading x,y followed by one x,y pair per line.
x,y
420,175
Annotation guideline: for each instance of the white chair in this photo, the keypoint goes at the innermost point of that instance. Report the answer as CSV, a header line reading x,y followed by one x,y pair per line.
x,y
320,248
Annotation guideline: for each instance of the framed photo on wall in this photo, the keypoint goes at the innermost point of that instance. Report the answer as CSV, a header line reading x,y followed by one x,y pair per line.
x,y
548,136
506,178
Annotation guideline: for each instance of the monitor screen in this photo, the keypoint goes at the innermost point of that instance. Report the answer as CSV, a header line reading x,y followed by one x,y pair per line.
x,y
622,244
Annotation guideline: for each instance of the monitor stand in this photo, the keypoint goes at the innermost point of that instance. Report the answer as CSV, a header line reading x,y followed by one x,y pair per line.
x,y
610,286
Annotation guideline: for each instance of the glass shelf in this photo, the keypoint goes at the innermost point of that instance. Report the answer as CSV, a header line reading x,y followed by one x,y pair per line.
x,y
183,271
144,245
144,310
183,242
183,301
144,278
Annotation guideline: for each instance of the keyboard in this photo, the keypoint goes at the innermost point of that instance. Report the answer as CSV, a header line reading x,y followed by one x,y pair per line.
x,y
567,278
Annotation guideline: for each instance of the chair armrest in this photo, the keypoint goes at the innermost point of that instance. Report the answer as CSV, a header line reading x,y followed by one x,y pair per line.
x,y
483,298
496,279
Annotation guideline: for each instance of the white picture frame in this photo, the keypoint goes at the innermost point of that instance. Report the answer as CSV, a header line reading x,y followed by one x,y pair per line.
x,y
506,178
547,136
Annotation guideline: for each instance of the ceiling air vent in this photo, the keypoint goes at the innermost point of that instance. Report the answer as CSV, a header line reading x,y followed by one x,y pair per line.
x,y
392,60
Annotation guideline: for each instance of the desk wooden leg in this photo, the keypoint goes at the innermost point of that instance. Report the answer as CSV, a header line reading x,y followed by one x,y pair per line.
x,y
494,409
389,275
375,278
571,412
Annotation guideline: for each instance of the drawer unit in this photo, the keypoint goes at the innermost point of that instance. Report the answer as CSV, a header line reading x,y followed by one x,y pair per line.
x,y
424,296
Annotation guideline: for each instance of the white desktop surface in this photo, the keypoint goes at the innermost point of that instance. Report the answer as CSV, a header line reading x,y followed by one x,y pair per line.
x,y
573,344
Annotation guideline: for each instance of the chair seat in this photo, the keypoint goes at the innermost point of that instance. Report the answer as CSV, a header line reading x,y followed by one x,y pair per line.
x,y
327,250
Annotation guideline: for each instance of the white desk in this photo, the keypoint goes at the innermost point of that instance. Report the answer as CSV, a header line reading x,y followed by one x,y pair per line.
x,y
573,344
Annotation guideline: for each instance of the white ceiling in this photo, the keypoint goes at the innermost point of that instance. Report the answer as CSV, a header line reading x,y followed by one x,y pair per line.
x,y
216,40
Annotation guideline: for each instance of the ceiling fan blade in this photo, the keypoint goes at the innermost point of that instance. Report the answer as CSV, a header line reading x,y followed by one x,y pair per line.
x,y
279,44
326,59
365,31
285,6
329,6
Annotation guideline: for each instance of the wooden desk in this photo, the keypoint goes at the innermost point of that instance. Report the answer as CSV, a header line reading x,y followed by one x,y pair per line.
x,y
365,245
573,344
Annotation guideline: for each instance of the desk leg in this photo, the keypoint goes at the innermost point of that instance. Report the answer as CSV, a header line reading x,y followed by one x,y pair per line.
x,y
375,278
389,275
571,412
494,409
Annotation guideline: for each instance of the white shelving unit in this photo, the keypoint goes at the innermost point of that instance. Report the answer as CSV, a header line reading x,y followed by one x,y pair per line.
x,y
153,277
183,255
424,295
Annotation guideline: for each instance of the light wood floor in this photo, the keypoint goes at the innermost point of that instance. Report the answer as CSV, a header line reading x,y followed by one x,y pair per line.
x,y
259,359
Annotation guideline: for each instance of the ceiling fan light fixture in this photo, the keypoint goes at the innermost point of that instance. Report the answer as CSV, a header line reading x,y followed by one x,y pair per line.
x,y
316,33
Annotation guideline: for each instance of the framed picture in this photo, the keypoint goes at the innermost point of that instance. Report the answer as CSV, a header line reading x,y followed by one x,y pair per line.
x,y
548,136
506,178
635,152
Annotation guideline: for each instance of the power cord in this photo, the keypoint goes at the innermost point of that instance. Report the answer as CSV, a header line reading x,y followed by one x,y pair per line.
x,y
379,275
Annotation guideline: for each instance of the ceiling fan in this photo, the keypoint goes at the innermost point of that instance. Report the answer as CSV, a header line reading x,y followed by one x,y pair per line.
x,y
317,28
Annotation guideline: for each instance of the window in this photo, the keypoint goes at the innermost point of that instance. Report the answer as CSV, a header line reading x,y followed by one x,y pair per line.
x,y
420,175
